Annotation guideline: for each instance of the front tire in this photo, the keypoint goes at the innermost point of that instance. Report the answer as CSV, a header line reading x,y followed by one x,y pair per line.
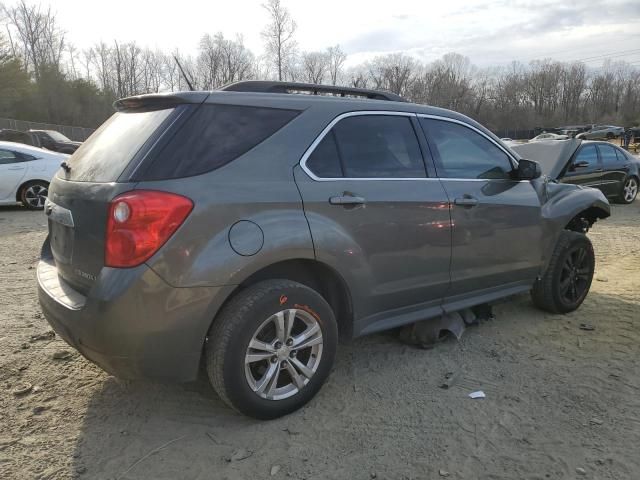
x,y
565,284
629,191
34,194
271,348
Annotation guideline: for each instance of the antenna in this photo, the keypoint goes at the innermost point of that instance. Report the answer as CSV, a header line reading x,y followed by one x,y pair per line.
x,y
186,79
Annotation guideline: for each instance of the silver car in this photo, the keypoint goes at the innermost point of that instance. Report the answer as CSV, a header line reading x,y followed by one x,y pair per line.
x,y
602,131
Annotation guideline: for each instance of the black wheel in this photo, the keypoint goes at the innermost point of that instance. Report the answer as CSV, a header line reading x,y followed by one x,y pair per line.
x,y
609,135
34,194
271,348
629,191
567,280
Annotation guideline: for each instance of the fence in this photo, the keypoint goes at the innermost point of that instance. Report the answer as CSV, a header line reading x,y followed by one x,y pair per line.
x,y
516,134
77,134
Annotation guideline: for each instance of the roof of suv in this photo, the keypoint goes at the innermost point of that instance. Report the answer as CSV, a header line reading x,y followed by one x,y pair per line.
x,y
301,96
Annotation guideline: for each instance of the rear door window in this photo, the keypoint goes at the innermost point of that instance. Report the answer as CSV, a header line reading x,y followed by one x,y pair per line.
x,y
104,156
379,146
369,146
608,154
214,136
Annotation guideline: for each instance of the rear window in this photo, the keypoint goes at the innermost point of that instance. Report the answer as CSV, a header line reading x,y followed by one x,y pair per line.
x,y
214,136
104,156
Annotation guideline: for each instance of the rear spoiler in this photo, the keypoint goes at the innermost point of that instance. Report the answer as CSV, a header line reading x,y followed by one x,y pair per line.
x,y
158,101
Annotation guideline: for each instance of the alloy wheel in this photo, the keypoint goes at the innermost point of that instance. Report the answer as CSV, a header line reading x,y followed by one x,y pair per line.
x,y
283,354
630,190
575,274
36,195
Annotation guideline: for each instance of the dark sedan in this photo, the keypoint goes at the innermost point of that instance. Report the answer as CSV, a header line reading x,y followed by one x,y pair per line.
x,y
601,165
53,140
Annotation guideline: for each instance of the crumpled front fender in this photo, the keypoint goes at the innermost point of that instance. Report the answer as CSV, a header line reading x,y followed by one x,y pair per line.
x,y
564,202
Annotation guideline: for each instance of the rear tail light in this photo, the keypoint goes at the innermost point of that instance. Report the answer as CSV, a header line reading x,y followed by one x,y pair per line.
x,y
139,223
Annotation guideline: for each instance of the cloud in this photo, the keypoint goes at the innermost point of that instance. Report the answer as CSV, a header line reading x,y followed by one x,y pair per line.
x,y
501,31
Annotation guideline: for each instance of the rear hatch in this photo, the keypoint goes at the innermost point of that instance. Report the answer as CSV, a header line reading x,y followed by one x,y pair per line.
x,y
99,170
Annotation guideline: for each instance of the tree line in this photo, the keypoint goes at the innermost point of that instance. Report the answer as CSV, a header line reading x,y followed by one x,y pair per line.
x,y
43,77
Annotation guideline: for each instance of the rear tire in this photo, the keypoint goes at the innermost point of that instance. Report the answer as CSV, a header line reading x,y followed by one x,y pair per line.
x,y
256,356
629,191
567,280
34,194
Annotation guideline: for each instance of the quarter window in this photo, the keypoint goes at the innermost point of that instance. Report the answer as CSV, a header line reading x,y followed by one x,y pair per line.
x,y
325,162
214,136
369,146
7,156
464,153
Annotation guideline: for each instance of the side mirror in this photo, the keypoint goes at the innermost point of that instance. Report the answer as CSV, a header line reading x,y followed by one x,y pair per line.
x,y
528,169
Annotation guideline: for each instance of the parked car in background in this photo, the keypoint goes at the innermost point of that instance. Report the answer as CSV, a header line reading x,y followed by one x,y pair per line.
x,y
601,131
601,165
506,139
53,140
548,136
25,173
572,130
16,136
245,229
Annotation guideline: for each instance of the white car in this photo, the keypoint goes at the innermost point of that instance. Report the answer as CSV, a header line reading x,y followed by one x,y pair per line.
x,y
25,173
549,136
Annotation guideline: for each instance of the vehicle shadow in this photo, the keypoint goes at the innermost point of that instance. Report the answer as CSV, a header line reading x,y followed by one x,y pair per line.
x,y
380,389
16,207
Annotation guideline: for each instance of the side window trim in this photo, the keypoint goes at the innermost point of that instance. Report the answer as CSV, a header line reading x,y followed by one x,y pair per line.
x,y
303,161
328,128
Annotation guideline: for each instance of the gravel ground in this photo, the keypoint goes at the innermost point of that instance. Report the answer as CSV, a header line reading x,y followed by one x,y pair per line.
x,y
562,402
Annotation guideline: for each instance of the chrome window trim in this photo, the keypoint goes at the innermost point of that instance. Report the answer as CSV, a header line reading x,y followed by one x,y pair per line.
x,y
327,129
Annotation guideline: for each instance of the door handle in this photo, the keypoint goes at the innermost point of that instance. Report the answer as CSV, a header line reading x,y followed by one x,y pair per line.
x,y
466,201
347,200
15,168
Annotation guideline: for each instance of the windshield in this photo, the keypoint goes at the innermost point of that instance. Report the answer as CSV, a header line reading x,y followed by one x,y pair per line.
x,y
57,136
104,156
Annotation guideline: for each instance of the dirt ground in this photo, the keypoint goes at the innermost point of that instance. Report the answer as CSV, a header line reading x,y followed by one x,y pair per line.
x,y
561,402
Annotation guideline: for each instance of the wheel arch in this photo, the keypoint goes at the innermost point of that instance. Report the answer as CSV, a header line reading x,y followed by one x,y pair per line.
x,y
316,275
584,219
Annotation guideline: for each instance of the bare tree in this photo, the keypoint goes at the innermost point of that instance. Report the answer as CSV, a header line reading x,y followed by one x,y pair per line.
x,y
336,60
278,36
394,72
5,50
222,61
314,66
41,40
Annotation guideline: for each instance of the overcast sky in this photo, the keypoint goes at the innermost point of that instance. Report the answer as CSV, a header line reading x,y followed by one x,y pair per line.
x,y
488,32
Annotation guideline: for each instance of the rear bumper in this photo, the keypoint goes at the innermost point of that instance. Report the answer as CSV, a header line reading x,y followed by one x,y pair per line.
x,y
132,323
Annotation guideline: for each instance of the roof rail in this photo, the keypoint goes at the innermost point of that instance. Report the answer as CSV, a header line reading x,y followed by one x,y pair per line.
x,y
309,89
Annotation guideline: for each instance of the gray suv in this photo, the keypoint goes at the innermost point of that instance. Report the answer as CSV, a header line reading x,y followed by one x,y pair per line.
x,y
250,228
